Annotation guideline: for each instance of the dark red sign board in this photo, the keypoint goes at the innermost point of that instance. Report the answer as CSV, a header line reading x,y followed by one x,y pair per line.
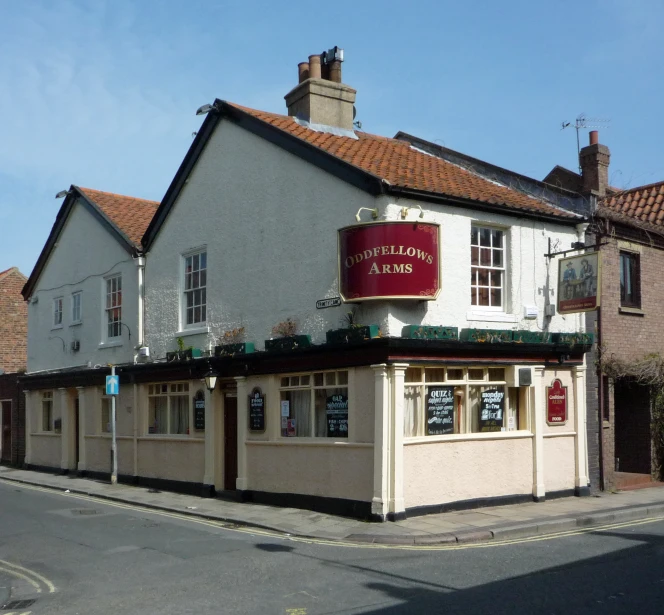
x,y
389,260
556,403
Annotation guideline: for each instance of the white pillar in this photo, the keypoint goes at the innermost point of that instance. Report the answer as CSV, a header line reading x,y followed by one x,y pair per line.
x,y
211,439
379,503
537,424
580,448
30,409
80,391
241,483
397,506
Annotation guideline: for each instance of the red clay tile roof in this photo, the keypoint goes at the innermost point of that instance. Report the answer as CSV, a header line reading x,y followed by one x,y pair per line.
x,y
403,166
129,214
644,203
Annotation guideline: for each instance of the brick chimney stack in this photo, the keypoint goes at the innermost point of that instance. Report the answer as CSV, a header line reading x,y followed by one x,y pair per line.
x,y
594,160
320,97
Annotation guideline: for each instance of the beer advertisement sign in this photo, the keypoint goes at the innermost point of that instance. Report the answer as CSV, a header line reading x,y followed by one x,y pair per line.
x,y
579,283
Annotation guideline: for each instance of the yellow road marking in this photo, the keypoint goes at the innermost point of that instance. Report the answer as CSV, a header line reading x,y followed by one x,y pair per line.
x,y
332,543
36,575
19,575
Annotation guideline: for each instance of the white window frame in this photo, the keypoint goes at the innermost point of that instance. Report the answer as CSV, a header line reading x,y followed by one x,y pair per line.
x,y
309,381
47,402
57,313
168,391
491,268
191,285
76,310
110,305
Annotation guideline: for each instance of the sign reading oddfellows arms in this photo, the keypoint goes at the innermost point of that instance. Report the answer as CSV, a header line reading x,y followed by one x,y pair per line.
x,y
556,403
579,283
389,260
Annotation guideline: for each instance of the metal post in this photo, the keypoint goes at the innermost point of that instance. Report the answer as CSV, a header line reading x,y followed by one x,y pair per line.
x,y
114,447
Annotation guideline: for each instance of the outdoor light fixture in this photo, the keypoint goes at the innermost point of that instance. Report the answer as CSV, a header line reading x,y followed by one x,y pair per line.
x,y
62,193
204,109
211,380
404,211
374,213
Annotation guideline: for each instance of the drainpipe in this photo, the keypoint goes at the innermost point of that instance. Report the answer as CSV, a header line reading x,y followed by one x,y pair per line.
x,y
140,326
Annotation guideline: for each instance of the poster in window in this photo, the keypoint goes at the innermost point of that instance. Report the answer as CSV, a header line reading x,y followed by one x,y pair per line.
x,y
579,283
199,411
290,428
256,410
440,411
492,410
556,403
336,408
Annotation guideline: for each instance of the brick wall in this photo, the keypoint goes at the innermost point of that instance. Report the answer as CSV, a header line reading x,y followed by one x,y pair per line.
x,y
13,322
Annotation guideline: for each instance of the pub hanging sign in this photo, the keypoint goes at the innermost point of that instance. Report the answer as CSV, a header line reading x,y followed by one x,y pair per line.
x,y
579,279
389,260
556,403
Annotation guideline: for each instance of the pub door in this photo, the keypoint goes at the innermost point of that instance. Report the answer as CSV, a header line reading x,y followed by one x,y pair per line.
x,y
230,443
6,431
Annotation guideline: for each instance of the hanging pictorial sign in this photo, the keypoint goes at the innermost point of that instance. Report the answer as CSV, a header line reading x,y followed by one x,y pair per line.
x,y
256,410
389,260
492,409
556,403
579,283
199,411
440,410
336,408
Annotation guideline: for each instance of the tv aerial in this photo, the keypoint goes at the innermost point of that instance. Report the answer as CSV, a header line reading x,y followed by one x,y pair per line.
x,y
584,122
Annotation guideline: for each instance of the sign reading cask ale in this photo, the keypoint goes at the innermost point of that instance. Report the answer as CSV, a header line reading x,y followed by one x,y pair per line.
x,y
556,403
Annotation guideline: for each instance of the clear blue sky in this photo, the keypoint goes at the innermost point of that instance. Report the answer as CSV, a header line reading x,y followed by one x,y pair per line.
x,y
103,94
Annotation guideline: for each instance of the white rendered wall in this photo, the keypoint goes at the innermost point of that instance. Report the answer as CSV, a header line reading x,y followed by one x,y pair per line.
x,y
84,255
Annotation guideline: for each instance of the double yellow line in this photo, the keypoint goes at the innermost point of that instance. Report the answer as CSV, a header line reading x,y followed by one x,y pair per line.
x,y
38,581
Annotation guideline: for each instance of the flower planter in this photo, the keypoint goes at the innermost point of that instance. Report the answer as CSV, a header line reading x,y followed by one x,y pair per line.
x,y
532,337
486,336
352,334
228,350
572,339
420,332
184,355
290,342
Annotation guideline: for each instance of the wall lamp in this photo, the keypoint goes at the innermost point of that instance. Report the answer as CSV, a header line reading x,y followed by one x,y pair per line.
x,y
204,109
562,358
62,194
211,380
374,213
404,211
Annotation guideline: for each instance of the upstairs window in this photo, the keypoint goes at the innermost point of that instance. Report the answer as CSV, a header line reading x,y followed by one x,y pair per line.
x,y
57,312
487,272
76,308
630,280
114,307
195,291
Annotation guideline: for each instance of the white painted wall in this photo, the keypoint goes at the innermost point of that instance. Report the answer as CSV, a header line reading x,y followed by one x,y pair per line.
x,y
268,220
84,255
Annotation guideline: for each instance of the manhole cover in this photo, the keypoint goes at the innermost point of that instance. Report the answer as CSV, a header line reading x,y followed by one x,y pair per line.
x,y
17,604
84,511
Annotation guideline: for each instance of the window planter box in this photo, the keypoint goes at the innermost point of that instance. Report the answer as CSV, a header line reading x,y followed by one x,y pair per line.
x,y
184,355
487,336
228,350
353,334
290,342
572,339
419,332
532,337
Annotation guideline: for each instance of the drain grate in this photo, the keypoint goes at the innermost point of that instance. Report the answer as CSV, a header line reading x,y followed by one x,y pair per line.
x,y
17,604
84,511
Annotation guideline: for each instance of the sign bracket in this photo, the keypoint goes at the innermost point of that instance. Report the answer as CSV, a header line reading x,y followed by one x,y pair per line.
x,y
578,247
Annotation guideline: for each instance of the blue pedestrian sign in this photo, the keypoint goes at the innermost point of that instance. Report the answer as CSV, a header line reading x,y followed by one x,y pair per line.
x,y
112,385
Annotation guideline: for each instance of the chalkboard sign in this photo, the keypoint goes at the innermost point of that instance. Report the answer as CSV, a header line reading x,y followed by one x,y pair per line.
x,y
256,410
336,407
440,410
492,410
199,411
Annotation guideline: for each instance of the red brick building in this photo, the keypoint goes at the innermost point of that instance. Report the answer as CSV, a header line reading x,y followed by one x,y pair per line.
x,y
13,359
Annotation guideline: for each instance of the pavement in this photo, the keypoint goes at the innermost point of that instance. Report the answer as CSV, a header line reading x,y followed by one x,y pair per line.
x,y
508,522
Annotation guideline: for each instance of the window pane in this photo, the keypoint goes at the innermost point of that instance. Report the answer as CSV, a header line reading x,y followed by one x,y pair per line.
x,y
330,379
496,297
496,373
413,419
474,236
497,258
179,414
485,257
304,381
497,239
483,294
413,374
483,277
455,374
298,421
284,381
331,412
476,374
436,374
485,237
203,260
487,408
496,278
157,417
474,255
318,379
342,377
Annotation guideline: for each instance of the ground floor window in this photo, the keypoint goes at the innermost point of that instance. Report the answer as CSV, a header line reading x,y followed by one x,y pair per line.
x,y
47,411
453,400
315,405
106,414
168,408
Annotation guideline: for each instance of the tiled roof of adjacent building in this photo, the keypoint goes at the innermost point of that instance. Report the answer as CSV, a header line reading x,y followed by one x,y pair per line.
x,y
644,203
403,165
131,215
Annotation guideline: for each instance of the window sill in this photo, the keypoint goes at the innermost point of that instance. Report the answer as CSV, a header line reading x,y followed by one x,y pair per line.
x,y
193,331
162,437
305,441
631,310
78,323
56,327
110,344
490,316
465,437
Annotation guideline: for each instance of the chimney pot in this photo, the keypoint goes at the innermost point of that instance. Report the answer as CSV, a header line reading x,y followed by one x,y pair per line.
x,y
314,67
335,71
594,137
303,71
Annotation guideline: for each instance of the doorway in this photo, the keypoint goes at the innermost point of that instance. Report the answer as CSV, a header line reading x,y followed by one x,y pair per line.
x,y
230,443
76,434
632,428
6,428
